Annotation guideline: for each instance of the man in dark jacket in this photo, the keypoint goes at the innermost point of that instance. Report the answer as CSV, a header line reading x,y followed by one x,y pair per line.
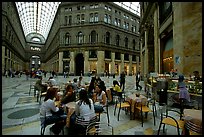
x,y
138,78
122,80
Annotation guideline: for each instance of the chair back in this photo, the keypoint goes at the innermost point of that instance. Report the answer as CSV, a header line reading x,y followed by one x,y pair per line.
x,y
99,128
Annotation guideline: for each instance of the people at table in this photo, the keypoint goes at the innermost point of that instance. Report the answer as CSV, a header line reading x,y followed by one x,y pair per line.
x,y
184,96
52,81
79,83
69,94
39,85
99,98
50,114
84,112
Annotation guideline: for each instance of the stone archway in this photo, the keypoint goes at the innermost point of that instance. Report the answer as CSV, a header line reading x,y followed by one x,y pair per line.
x,y
79,64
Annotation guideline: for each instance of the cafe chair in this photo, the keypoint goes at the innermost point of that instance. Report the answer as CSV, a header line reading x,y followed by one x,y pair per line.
x,y
143,107
82,127
40,94
44,125
122,104
168,119
193,128
99,128
32,87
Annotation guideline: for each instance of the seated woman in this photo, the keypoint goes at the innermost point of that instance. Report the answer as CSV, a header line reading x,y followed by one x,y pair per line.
x,y
52,81
100,98
116,90
84,113
39,86
69,95
54,115
91,87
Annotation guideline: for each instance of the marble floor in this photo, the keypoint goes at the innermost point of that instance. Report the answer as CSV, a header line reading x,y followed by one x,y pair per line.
x,y
20,111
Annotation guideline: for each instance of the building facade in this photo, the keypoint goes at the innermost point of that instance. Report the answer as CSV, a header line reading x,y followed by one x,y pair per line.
x,y
171,37
85,37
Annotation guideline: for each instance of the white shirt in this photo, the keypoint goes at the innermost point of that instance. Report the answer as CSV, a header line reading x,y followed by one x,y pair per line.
x,y
84,110
53,82
100,97
46,108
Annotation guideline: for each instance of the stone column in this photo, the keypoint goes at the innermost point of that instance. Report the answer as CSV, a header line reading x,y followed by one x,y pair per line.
x,y
3,59
86,63
112,63
122,64
138,62
72,63
100,63
60,70
146,60
156,42
187,34
130,65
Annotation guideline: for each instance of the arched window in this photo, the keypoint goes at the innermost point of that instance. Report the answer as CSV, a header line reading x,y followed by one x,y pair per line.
x,y
80,37
117,40
93,36
133,44
126,42
70,20
107,37
67,39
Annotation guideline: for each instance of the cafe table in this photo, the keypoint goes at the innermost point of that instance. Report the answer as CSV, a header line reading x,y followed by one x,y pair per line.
x,y
192,121
133,99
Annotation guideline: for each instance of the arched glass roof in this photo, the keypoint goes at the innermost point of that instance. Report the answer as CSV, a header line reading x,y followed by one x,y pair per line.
x,y
37,17
131,6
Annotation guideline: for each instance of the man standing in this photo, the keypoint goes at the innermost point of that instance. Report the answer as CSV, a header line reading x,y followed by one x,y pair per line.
x,y
122,81
138,78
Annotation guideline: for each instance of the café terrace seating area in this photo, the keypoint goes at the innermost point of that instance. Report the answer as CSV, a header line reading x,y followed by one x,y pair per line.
x,y
20,110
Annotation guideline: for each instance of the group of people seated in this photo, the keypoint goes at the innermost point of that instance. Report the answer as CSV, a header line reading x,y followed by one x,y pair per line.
x,y
91,101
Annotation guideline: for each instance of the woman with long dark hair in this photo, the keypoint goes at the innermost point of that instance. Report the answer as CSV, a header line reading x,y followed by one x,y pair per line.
x,y
84,113
69,95
49,111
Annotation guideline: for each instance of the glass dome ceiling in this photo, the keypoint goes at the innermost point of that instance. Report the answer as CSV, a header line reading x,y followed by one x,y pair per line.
x,y
131,6
37,17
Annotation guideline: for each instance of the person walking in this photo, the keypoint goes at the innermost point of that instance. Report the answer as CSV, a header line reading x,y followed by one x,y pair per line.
x,y
122,81
138,78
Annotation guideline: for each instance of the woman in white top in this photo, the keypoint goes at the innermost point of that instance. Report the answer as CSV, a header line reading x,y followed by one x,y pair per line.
x,y
50,111
85,107
84,114
100,98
